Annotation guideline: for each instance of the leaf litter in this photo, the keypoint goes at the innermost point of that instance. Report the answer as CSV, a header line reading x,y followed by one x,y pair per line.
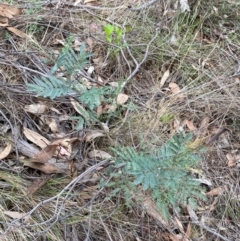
x,y
40,151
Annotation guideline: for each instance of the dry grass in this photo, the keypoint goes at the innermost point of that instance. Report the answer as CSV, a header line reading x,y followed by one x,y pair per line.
x,y
201,51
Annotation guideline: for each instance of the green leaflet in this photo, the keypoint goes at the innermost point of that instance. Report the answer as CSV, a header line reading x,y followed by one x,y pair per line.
x,y
92,98
50,87
71,61
165,174
53,87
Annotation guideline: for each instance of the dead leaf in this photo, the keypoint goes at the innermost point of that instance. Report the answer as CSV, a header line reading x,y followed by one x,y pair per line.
x,y
59,41
216,191
210,207
65,141
164,78
90,41
203,127
3,21
80,109
64,152
109,108
90,70
9,11
105,127
169,13
232,161
87,83
190,125
17,32
196,143
14,215
45,154
51,122
114,84
179,224
36,108
67,144
99,154
121,99
88,192
44,167
99,110
188,233
55,110
77,43
175,90
213,205
192,213
37,184
35,138
151,208
6,151
99,60
91,135
99,79
206,63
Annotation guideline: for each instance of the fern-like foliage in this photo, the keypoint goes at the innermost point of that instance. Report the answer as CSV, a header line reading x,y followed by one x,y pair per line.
x,y
53,87
70,61
50,86
167,173
93,97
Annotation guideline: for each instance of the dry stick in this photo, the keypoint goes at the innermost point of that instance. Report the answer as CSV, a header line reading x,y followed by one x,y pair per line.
x,y
138,65
215,137
18,66
210,230
106,229
69,187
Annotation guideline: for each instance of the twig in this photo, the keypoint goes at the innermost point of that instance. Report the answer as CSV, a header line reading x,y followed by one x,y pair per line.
x,y
215,137
18,66
210,230
106,229
137,65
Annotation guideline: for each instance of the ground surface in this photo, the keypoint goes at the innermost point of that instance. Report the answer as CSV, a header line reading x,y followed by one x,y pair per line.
x,y
173,68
